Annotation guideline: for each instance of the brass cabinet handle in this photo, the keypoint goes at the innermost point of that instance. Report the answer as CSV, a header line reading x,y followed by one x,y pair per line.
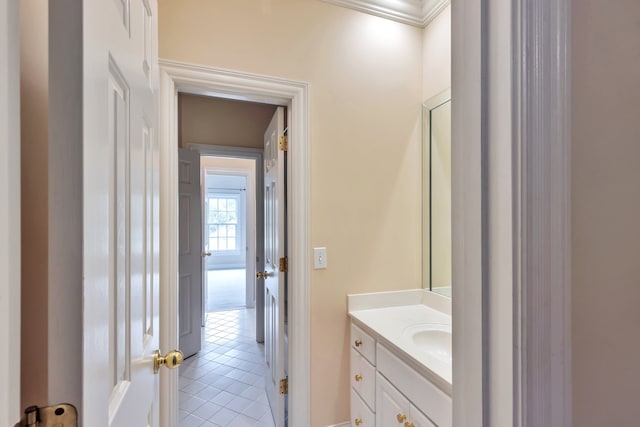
x,y
171,360
358,343
401,418
408,424
358,421
358,377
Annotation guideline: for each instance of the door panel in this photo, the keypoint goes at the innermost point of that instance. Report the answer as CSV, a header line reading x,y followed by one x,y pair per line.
x,y
190,252
275,248
120,215
9,212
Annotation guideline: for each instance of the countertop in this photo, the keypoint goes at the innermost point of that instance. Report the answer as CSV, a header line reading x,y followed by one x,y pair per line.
x,y
390,317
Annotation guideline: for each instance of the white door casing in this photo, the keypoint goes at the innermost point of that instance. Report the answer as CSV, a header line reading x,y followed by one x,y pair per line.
x,y
9,213
190,252
511,303
175,77
274,250
120,214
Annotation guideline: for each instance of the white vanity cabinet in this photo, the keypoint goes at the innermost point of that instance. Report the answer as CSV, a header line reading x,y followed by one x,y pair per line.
x,y
387,392
394,409
363,378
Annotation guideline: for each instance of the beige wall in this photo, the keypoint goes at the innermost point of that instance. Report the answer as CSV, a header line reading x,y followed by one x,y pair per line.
x,y
34,117
215,121
436,55
436,77
365,76
606,212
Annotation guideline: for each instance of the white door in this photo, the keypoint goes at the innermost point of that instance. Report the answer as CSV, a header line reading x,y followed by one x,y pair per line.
x,y
120,213
190,252
9,213
275,249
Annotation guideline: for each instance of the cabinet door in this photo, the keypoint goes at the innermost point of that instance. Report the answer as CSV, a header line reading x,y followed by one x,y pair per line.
x,y
392,408
418,419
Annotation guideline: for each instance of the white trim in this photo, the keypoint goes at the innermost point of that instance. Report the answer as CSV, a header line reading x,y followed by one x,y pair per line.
x,y
180,77
418,13
542,178
468,227
511,94
10,213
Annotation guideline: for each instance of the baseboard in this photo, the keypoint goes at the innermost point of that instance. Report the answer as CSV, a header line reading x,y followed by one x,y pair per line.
x,y
345,424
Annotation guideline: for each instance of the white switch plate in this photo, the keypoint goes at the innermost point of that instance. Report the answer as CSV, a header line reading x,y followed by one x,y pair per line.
x,y
319,258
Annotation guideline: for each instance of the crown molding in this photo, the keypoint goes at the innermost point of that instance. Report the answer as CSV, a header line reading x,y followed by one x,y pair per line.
x,y
413,12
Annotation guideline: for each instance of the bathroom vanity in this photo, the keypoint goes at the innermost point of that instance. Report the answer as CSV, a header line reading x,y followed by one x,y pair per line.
x,y
400,359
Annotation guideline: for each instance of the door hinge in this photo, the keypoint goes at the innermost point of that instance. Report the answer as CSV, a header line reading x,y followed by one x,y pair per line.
x,y
284,386
283,143
62,415
284,265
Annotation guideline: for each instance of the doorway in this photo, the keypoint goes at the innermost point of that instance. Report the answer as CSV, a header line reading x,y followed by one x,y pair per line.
x,y
180,77
230,248
230,213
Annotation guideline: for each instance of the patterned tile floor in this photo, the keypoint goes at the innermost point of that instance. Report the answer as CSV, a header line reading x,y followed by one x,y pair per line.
x,y
223,385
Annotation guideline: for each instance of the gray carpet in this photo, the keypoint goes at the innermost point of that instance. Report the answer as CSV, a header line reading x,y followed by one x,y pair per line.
x,y
225,289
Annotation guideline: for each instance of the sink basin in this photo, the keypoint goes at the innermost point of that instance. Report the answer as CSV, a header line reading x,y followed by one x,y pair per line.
x,y
432,339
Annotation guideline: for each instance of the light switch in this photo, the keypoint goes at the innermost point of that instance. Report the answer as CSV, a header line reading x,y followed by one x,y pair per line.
x,y
319,258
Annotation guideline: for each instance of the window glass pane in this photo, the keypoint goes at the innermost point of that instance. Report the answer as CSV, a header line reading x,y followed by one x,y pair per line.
x,y
222,220
231,244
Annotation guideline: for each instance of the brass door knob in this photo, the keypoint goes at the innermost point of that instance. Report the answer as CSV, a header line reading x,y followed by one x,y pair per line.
x,y
408,424
204,254
171,360
401,418
358,377
358,343
263,275
358,421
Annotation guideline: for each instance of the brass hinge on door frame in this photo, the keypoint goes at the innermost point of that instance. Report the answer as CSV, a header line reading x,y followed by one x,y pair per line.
x,y
283,143
284,265
62,415
284,386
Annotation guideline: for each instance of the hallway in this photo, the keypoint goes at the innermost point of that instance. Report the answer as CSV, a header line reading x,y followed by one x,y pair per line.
x,y
223,385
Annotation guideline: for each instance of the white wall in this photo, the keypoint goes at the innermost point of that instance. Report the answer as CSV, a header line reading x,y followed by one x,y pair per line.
x,y
606,212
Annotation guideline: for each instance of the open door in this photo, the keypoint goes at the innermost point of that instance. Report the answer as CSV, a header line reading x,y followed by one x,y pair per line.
x,y
274,273
190,252
9,213
120,215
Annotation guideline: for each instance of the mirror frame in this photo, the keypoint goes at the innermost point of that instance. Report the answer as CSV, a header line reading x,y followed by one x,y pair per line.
x,y
428,106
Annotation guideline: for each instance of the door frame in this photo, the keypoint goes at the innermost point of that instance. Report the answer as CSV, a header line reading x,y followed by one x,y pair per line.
x,y
202,80
511,139
10,212
257,155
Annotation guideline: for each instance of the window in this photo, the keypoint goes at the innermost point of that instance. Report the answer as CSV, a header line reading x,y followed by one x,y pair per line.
x,y
222,222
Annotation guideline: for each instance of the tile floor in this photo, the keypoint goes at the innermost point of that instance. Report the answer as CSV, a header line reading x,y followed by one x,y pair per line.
x,y
223,385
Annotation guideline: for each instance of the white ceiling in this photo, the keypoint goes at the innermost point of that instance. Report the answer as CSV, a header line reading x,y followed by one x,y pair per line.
x,y
413,12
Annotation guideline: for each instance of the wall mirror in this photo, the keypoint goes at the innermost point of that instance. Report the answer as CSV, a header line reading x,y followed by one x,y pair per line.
x,y
436,193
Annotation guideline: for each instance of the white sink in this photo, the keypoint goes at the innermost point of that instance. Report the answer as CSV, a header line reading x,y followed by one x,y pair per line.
x,y
432,339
